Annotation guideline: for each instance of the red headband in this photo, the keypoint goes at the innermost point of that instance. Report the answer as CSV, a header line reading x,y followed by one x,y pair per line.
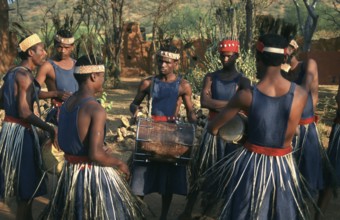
x,y
229,46
261,48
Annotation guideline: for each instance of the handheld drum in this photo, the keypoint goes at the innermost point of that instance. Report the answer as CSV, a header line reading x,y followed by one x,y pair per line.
x,y
234,130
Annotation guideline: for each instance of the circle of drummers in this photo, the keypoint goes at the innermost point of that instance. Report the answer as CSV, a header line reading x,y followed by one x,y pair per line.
x,y
259,156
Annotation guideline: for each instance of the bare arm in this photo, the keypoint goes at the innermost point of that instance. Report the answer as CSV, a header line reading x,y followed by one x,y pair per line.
x,y
24,100
1,98
240,101
46,75
96,141
206,100
142,91
186,92
311,82
337,99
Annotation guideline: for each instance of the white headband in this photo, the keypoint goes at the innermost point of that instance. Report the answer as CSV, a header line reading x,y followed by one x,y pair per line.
x,y
174,56
64,40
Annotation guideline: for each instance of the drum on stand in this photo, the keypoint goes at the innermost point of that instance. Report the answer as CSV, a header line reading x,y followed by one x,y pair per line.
x,y
164,141
234,130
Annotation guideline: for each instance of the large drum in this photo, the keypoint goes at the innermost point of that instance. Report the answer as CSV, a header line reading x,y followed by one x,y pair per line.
x,y
234,130
164,141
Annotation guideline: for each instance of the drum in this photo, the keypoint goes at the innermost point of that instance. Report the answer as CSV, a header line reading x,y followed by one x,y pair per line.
x,y
53,157
234,130
164,141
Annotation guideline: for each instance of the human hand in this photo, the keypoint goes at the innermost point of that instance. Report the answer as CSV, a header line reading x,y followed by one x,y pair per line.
x,y
124,169
63,95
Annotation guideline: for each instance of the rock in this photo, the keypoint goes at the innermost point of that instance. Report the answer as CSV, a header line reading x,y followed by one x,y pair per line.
x,y
125,121
123,131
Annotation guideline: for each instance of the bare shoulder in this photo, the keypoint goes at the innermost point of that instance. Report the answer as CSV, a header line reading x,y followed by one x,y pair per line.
x,y
95,109
300,92
145,83
46,67
23,74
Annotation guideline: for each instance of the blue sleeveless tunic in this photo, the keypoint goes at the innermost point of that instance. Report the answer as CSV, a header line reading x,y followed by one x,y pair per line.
x,y
64,79
85,188
308,149
29,167
254,185
164,97
164,178
224,89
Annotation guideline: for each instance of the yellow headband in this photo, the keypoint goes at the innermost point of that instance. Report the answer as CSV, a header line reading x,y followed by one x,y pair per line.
x,y
174,56
89,69
29,42
64,40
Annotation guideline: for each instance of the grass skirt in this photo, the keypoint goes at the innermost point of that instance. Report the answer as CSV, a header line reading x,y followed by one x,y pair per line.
x,y
256,186
21,164
88,191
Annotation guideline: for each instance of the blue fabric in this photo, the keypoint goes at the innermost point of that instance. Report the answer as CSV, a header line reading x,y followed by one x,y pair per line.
x,y
268,117
256,186
68,137
9,100
64,79
308,150
224,89
333,152
164,97
164,178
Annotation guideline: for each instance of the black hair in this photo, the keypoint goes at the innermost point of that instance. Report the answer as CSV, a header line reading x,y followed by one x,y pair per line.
x,y
272,40
64,33
23,55
86,60
169,48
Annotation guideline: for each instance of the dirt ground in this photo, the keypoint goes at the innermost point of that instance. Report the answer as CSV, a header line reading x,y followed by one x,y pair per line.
x,y
121,98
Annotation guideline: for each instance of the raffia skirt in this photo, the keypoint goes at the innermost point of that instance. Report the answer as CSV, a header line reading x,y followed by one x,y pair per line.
x,y
89,191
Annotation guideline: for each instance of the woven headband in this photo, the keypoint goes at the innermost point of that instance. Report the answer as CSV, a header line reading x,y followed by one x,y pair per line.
x,y
89,69
261,48
64,40
29,42
174,56
294,44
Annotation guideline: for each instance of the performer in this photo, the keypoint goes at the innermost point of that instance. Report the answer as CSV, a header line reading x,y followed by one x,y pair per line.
x,y
20,159
91,185
260,180
308,148
168,88
57,73
334,157
218,88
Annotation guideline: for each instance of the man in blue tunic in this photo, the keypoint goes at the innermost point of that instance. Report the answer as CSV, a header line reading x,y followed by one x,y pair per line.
x,y
166,89
20,158
260,180
57,73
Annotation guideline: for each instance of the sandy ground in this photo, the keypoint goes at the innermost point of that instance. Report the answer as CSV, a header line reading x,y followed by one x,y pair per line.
x,y
121,98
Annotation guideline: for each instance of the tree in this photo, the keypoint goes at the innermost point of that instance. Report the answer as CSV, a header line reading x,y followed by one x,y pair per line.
x,y
307,27
8,41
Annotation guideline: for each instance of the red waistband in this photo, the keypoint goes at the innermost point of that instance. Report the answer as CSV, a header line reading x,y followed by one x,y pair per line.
x,y
269,151
17,121
77,159
157,118
306,121
56,103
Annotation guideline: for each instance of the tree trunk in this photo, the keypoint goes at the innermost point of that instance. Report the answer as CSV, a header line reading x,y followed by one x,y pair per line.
x,y
249,25
8,40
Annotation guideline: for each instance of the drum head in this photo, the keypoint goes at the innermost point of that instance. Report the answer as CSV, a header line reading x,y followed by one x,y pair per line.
x,y
234,129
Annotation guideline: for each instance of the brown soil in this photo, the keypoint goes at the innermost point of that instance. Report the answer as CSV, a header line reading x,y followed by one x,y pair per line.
x,y
121,97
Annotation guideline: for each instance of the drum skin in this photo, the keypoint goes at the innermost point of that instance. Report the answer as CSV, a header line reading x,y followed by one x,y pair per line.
x,y
235,129
163,141
53,157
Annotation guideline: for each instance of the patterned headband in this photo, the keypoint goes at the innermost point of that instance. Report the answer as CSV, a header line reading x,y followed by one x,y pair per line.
x,y
89,69
261,48
29,42
174,56
64,40
229,46
294,44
